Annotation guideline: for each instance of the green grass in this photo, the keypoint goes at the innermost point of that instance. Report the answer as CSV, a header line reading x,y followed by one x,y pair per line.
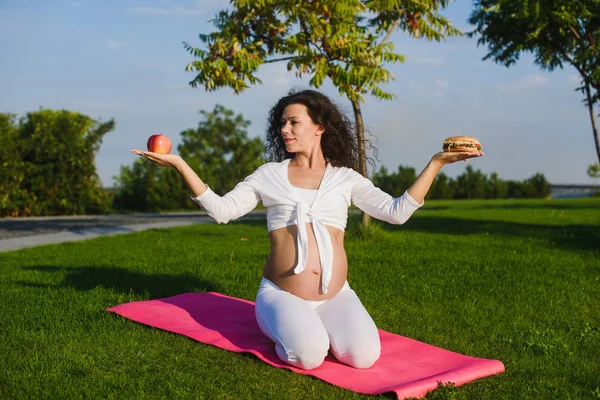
x,y
517,281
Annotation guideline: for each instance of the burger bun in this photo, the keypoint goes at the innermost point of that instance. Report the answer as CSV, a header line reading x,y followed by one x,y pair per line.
x,y
461,144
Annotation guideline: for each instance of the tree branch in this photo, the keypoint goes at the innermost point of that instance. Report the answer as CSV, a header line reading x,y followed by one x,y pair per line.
x,y
583,73
574,32
389,33
281,59
308,40
589,37
571,61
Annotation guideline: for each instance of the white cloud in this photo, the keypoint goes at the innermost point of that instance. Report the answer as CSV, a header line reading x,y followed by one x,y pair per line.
x,y
114,44
74,3
526,82
182,11
214,3
534,80
476,105
575,79
200,7
284,78
95,106
178,86
427,61
429,90
441,83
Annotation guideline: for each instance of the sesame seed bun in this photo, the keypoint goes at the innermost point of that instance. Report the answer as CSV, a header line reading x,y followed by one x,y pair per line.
x,y
461,143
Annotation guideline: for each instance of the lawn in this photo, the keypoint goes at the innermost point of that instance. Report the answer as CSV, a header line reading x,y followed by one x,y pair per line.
x,y
517,281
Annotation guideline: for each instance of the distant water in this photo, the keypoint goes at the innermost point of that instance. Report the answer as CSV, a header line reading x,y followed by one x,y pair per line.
x,y
572,193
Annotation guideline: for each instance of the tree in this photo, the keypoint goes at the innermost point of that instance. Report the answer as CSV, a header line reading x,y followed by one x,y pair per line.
x,y
557,32
346,41
535,186
382,178
48,164
471,184
540,187
442,188
12,168
396,183
594,171
496,188
219,151
145,188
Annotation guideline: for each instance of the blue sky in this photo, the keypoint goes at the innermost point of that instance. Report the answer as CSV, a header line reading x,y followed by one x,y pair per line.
x,y
125,60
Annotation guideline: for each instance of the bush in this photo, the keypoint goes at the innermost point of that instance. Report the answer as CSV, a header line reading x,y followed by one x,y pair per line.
x,y
48,164
219,151
472,184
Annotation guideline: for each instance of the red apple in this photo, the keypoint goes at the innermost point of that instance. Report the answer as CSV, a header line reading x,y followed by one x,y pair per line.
x,y
159,143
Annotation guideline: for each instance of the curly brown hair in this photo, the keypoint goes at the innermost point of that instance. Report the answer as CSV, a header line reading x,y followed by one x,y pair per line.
x,y
339,141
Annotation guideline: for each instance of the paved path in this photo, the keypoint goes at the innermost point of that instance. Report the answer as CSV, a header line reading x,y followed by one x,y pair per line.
x,y
17,233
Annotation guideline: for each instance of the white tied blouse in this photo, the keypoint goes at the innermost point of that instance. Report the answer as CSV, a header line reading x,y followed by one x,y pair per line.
x,y
340,187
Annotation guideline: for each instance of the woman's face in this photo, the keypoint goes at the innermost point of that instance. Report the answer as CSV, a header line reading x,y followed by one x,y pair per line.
x,y
300,134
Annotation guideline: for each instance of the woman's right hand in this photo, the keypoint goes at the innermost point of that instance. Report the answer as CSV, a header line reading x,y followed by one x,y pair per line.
x,y
163,160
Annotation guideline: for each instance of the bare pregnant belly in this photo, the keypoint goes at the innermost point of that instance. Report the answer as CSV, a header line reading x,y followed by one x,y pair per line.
x,y
283,258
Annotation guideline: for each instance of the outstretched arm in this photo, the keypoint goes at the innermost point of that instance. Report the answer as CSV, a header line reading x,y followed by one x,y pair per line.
x,y
419,189
192,180
239,201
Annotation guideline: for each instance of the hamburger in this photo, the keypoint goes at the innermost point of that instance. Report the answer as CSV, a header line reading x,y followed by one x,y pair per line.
x,y
461,143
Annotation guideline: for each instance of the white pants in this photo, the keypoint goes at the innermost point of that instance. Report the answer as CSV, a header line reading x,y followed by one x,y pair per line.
x,y
304,331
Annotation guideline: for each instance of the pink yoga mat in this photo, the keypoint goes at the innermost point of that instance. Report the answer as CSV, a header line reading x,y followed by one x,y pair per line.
x,y
407,367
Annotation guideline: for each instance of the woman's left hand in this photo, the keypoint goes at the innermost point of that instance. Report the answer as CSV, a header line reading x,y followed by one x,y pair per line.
x,y
449,157
421,186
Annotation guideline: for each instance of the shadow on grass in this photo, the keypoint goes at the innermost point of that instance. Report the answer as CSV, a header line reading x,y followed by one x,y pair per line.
x,y
576,237
523,204
518,206
254,221
123,280
75,225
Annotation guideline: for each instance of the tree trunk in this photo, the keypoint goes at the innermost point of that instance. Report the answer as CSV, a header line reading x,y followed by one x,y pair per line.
x,y
593,118
362,160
